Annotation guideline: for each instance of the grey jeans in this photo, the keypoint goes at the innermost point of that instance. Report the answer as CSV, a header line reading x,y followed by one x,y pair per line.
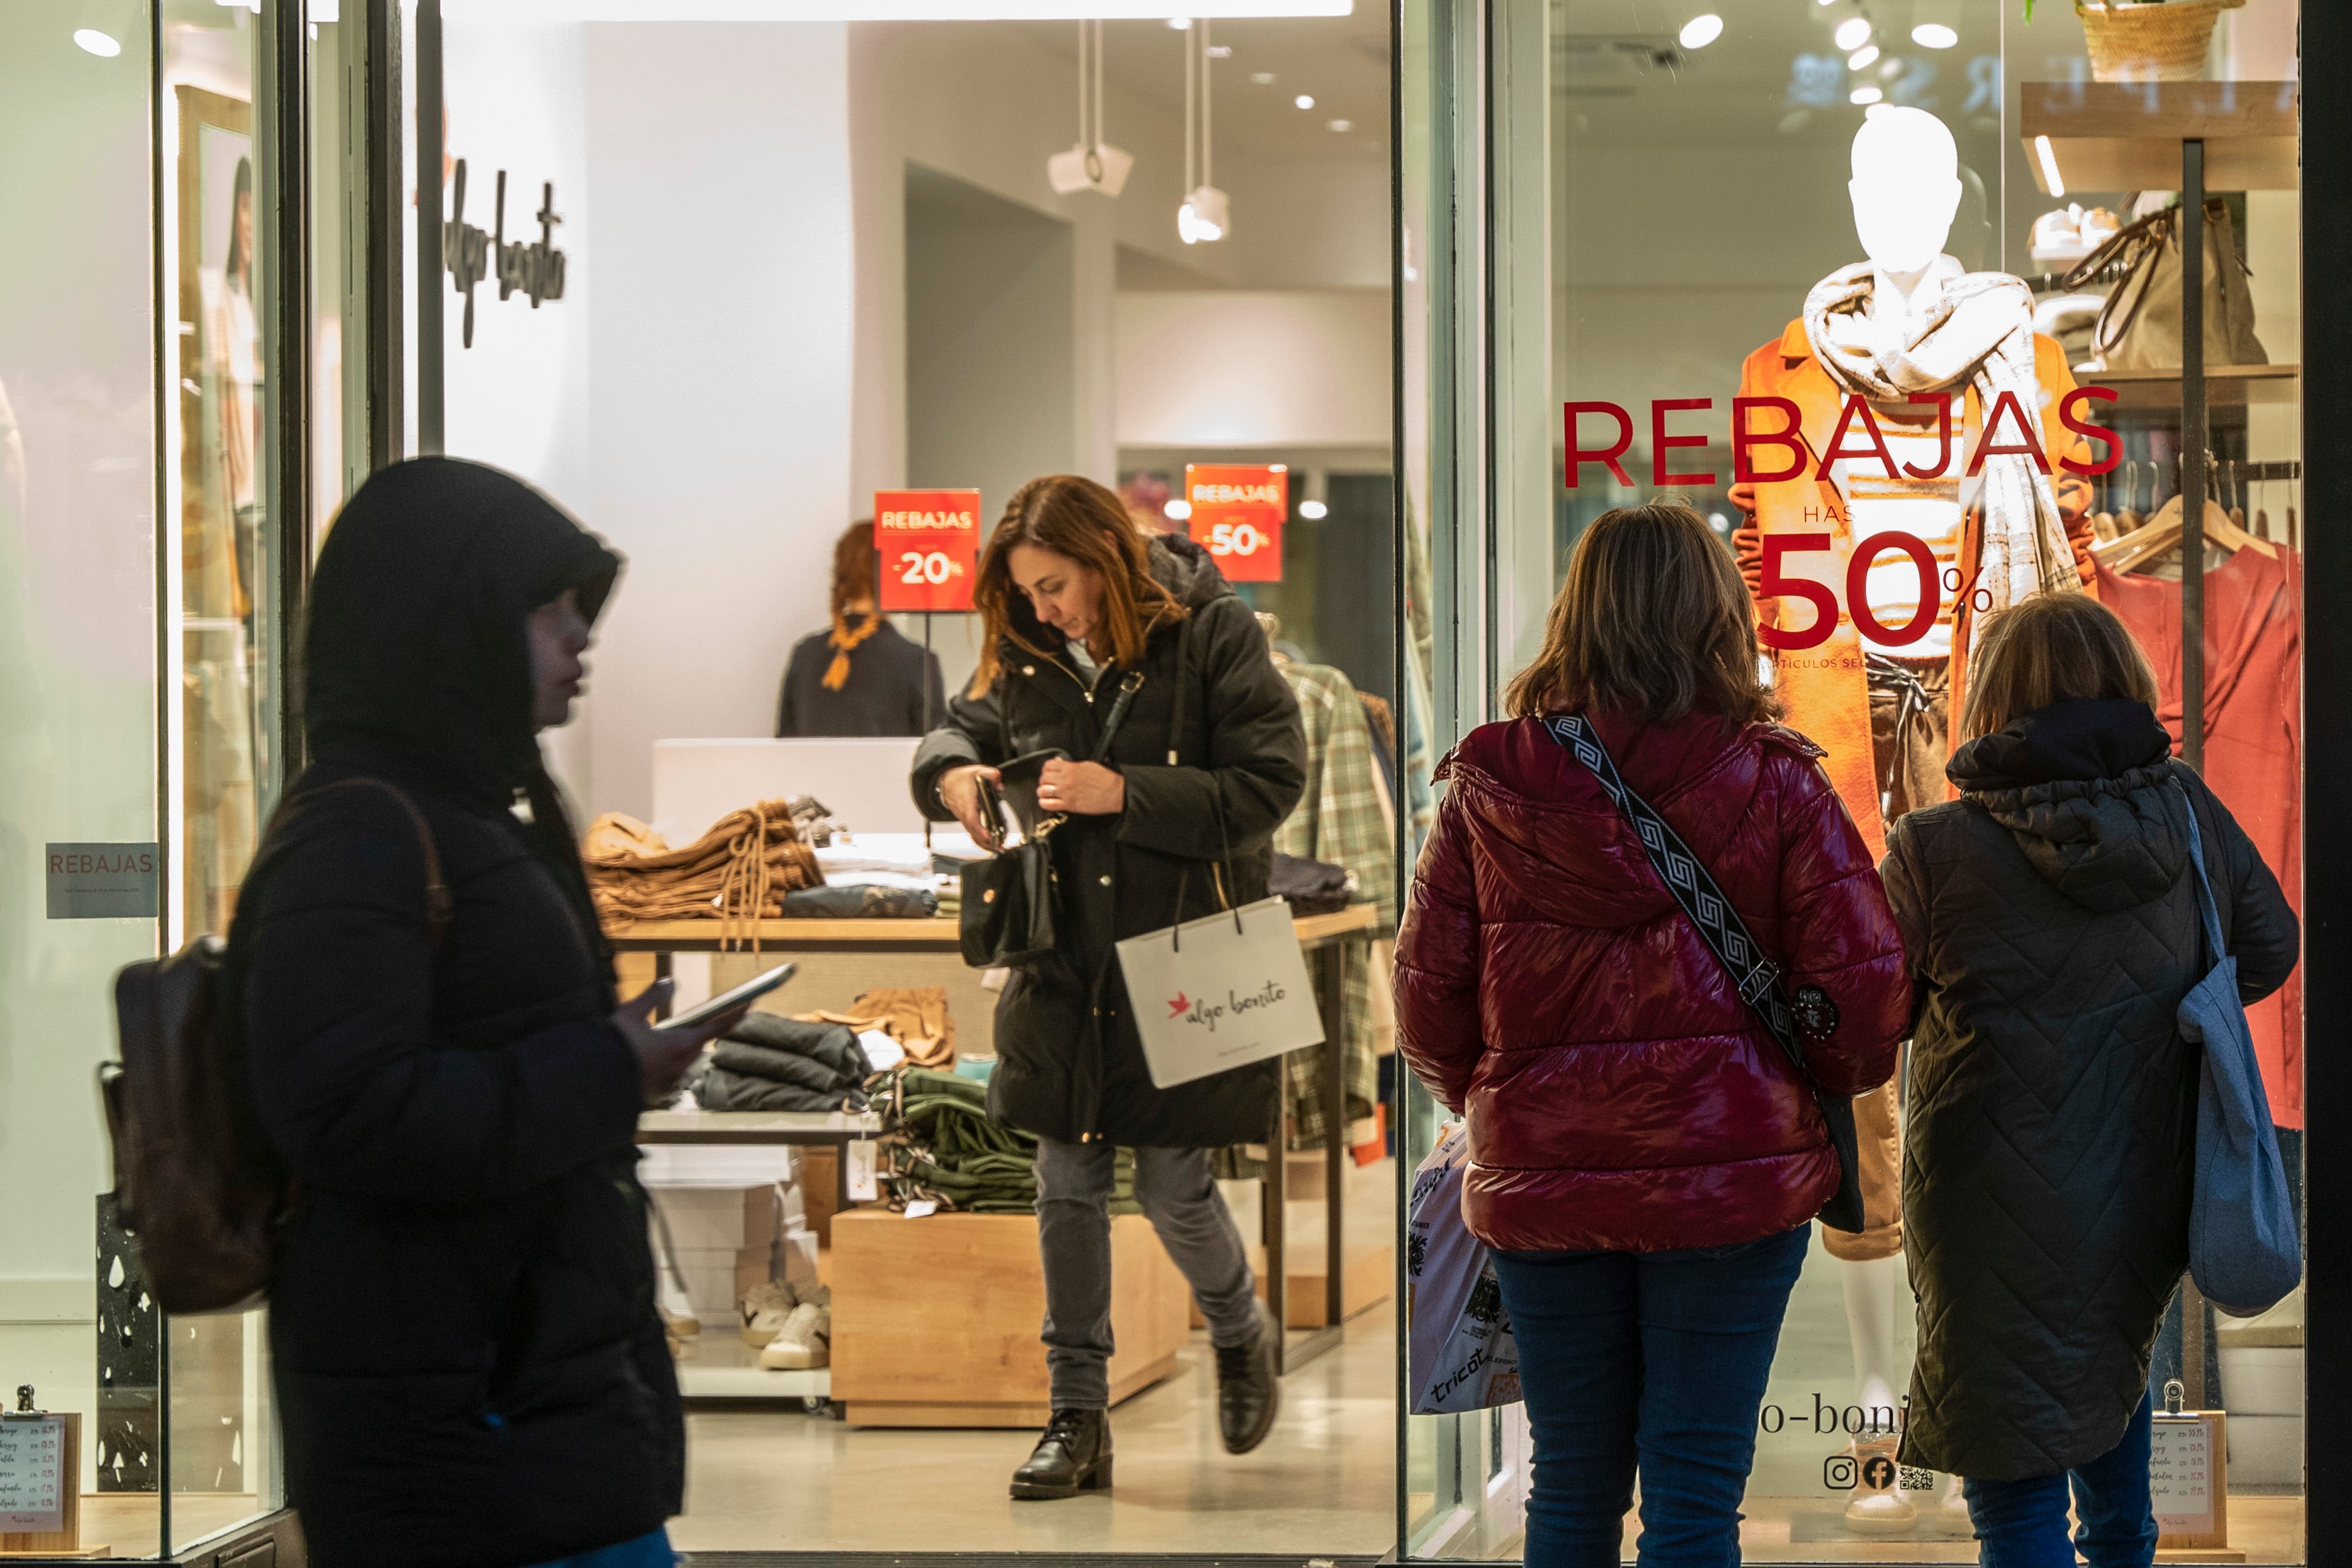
x,y
1177,1192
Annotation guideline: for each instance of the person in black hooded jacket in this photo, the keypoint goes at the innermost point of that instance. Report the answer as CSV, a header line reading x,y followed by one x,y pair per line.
x,y
1078,607
469,1364
2051,919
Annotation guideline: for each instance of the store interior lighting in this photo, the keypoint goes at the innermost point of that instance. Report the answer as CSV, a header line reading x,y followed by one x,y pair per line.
x,y
561,11
1177,510
1313,511
1700,31
1092,164
1204,216
1933,35
1862,59
1853,32
1303,101
101,27
1342,126
1865,95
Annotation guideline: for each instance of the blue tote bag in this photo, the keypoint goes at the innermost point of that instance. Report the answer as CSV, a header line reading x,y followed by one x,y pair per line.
x,y
2242,1250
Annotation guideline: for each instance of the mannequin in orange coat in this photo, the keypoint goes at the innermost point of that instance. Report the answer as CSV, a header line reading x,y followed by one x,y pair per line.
x,y
1905,191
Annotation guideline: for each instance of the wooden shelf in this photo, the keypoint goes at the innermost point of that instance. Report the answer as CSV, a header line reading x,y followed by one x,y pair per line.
x,y
710,936
2127,136
2225,385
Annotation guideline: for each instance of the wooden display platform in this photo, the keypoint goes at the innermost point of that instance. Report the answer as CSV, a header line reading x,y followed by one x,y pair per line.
x,y
1363,1283
935,1319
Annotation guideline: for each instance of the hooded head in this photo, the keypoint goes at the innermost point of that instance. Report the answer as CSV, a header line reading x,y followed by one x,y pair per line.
x,y
417,646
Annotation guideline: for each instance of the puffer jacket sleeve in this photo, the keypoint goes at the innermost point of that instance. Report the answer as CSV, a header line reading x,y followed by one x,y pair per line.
x,y
1905,878
971,732
1257,745
352,1086
1437,963
2264,935
1838,932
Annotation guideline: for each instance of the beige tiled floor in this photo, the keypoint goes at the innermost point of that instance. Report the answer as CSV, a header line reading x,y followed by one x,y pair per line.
x,y
773,1478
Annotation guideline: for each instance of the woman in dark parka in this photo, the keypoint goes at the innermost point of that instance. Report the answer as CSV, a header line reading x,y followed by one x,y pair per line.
x,y
1210,760
469,1364
2052,923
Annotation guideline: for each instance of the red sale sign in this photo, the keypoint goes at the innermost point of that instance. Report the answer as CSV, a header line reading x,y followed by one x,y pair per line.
x,y
928,541
1237,514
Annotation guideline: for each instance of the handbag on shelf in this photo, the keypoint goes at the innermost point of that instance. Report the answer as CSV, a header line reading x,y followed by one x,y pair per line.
x,y
2242,1250
1753,975
2139,326
1007,917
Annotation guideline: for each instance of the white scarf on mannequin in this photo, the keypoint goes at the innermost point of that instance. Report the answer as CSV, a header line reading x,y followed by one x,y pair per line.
x,y
1980,333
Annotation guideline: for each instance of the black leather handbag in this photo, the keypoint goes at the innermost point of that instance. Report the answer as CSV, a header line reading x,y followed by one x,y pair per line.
x,y
1008,916
1755,976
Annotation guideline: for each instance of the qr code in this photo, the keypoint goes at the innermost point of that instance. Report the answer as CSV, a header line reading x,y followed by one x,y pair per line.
x,y
1917,1479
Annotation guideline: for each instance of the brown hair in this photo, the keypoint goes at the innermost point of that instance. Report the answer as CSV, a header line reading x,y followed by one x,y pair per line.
x,y
1653,621
2045,650
1077,519
856,569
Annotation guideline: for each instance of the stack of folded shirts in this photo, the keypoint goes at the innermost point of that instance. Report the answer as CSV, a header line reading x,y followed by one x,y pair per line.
x,y
772,1063
739,871
916,1016
861,901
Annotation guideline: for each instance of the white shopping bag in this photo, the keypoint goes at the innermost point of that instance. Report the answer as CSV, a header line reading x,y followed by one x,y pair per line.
x,y
1220,992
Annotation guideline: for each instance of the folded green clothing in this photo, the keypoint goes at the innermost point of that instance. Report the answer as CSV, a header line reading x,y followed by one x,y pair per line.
x,y
860,901
780,1067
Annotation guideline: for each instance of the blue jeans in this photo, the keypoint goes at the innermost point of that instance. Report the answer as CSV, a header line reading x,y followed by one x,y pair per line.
x,y
1647,1362
2022,1524
646,1551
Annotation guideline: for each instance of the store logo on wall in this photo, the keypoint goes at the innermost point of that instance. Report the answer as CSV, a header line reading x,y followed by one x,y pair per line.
x,y
535,268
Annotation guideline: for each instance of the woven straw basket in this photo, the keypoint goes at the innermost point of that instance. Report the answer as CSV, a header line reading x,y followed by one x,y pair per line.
x,y
2149,42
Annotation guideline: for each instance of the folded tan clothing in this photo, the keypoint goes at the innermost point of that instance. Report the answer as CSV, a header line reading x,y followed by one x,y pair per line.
x,y
738,871
914,1016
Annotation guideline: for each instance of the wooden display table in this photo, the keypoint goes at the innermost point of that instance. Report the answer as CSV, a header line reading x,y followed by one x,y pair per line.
x,y
935,1319
645,947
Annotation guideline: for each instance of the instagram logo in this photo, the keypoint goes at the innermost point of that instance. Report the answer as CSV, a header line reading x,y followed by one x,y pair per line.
x,y
1838,1472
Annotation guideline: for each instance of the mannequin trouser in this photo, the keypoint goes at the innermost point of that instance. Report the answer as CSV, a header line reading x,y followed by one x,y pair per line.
x,y
1179,1196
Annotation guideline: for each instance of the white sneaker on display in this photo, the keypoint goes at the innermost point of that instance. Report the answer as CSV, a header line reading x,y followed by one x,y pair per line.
x,y
765,1310
805,1340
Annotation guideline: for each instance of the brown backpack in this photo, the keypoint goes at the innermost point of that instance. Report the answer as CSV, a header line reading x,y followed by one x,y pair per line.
x,y
203,1195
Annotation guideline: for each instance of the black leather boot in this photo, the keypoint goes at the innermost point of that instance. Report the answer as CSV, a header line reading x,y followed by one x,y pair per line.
x,y
1073,1456
1248,1392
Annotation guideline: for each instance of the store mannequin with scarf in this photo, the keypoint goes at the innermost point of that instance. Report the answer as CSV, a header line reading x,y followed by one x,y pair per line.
x,y
858,677
1909,321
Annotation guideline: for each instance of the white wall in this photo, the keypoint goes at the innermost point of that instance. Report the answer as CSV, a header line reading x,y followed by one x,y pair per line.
x,y
720,355
1245,368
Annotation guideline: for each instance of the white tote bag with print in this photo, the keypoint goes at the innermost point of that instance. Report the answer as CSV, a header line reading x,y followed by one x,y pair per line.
x,y
1220,992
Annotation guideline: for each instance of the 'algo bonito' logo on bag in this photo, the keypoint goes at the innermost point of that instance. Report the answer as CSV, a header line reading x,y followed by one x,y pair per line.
x,y
1206,1012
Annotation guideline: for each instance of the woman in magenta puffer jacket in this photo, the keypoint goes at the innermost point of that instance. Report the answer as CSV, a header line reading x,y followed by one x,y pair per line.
x,y
1645,1159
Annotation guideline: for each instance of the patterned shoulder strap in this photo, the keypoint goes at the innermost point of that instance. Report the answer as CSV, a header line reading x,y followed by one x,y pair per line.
x,y
1755,976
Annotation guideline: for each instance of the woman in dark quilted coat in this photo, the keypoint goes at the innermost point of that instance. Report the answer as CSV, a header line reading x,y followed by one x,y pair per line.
x,y
1645,1159
2050,919
462,1326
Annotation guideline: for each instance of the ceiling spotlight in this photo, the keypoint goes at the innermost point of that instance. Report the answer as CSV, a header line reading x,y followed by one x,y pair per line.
x,y
1091,164
1700,31
1177,510
1303,101
97,43
1890,70
1933,35
1862,59
1184,24
1205,217
1865,95
1313,511
1342,126
1263,78
1853,32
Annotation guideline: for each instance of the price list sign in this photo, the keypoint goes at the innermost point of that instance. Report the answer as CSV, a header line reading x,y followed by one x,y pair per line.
x,y
2185,1479
33,1479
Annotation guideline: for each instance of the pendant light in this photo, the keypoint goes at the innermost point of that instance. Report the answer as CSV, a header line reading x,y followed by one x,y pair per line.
x,y
1206,216
1093,164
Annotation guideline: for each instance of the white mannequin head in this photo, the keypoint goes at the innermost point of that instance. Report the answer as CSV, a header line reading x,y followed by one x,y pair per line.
x,y
1905,188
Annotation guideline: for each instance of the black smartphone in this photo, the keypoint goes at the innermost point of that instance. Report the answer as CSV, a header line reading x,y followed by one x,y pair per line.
x,y
992,811
728,1001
